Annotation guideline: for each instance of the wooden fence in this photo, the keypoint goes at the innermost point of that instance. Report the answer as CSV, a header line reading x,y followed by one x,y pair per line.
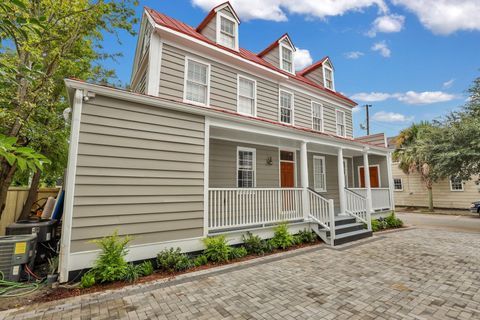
x,y
16,197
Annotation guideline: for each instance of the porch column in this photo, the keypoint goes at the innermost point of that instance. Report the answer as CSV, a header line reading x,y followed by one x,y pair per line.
x,y
390,180
341,181
304,179
366,170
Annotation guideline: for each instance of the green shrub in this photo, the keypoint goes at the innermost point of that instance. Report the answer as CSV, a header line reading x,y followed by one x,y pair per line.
x,y
133,272
88,280
172,260
216,249
281,238
146,268
376,225
307,236
254,244
296,239
110,264
393,222
237,252
201,260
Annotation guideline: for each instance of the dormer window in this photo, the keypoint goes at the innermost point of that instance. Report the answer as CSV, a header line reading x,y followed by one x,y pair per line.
x,y
227,31
286,58
328,78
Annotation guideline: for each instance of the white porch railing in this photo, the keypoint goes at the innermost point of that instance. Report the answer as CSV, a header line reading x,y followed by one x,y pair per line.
x,y
356,206
380,197
244,207
322,212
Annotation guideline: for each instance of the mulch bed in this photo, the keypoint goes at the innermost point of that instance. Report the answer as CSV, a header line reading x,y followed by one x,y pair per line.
x,y
47,294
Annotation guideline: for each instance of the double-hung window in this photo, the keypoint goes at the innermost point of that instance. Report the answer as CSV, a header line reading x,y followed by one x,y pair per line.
x,y
319,174
328,78
227,32
196,82
317,116
286,107
246,96
246,167
397,184
456,184
341,131
286,59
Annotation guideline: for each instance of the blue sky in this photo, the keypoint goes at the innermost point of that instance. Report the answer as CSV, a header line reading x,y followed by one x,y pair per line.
x,y
411,59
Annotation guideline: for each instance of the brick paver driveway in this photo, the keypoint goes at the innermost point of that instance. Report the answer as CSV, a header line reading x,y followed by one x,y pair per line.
x,y
411,274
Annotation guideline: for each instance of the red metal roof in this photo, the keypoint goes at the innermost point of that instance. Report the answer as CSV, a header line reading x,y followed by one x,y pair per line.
x,y
312,67
273,45
174,24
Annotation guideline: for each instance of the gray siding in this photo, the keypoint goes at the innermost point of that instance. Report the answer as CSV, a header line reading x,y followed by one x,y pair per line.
x,y
139,171
316,76
223,164
210,30
273,57
372,160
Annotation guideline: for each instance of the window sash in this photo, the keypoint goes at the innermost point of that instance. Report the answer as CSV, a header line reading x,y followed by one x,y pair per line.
x,y
456,184
328,78
286,106
397,184
246,96
317,117
287,59
246,168
227,32
319,175
341,124
197,82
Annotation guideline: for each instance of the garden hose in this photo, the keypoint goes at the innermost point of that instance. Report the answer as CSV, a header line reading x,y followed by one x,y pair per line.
x,y
15,289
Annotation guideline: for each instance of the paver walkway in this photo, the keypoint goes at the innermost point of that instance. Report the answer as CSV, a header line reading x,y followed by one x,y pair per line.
x,y
411,274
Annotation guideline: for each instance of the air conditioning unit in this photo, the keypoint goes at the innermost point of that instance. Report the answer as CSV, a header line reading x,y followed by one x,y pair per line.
x,y
15,253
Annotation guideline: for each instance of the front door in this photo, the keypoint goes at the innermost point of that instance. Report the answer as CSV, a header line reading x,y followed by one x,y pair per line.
x,y
374,177
287,174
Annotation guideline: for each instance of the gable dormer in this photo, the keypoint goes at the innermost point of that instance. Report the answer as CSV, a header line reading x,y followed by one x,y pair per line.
x,y
280,54
221,26
321,72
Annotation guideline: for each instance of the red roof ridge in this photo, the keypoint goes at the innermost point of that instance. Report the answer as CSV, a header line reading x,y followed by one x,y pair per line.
x,y
273,45
313,66
212,13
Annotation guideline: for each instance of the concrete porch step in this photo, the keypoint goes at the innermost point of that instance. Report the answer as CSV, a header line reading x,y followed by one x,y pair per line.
x,y
345,228
352,236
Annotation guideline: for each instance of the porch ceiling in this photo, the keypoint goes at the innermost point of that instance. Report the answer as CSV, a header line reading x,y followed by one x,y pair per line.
x,y
275,141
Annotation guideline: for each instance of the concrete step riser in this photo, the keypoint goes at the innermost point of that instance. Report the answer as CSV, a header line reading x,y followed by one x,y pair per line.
x,y
344,221
353,238
346,230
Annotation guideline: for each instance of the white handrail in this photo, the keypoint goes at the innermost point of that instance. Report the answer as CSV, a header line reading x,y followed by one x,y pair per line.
x,y
356,206
244,207
322,212
380,197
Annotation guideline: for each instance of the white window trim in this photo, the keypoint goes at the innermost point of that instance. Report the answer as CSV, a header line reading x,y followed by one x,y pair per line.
x,y
345,170
280,47
185,76
321,115
344,122
379,176
254,160
280,107
280,149
325,78
218,26
324,173
456,190
254,111
401,182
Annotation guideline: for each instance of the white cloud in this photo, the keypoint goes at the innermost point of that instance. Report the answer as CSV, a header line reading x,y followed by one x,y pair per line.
x,y
427,97
387,24
277,10
382,48
445,16
384,116
371,97
448,84
302,58
409,97
353,54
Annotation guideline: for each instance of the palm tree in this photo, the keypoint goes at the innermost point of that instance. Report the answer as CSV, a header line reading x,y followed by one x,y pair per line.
x,y
412,158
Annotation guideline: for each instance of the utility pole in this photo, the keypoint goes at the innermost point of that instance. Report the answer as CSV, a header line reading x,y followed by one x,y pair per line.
x,y
368,106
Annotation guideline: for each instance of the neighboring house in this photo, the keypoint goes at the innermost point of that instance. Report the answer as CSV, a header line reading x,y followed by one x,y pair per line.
x,y
450,193
215,139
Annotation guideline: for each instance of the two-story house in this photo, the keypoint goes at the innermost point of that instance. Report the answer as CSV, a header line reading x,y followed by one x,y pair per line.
x,y
215,139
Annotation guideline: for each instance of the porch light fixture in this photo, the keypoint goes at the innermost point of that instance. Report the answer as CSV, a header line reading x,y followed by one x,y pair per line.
x,y
269,161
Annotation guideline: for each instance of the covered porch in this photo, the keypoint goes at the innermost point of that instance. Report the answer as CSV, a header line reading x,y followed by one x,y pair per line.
x,y
258,179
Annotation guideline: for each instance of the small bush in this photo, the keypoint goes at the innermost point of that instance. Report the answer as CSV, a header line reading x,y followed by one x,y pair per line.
x,y
216,249
237,253
281,238
201,260
133,272
296,239
393,222
171,260
269,245
110,264
254,244
146,268
376,225
307,236
88,280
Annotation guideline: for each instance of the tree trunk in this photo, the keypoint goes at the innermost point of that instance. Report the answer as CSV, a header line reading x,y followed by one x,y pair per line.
x,y
6,176
32,196
430,199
